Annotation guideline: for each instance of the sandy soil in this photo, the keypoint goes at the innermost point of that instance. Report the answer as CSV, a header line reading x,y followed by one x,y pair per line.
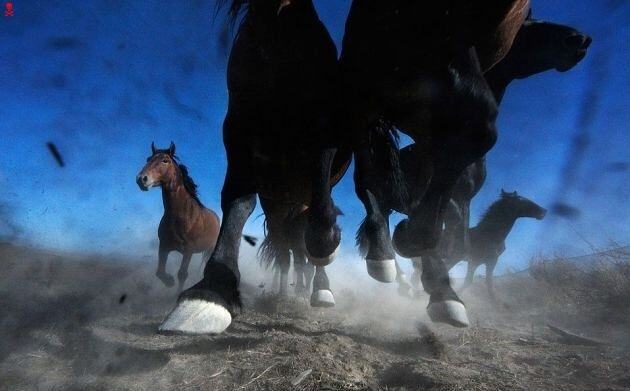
x,y
73,323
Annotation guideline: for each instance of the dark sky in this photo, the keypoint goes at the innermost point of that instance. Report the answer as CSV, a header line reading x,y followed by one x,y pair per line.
x,y
102,79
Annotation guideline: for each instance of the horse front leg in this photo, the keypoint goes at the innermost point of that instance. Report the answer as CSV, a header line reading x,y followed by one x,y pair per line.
x,y
299,263
444,304
161,273
373,236
322,296
404,286
322,235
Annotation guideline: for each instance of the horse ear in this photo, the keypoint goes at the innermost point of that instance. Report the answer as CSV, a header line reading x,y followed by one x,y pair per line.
x,y
171,149
529,15
503,192
152,148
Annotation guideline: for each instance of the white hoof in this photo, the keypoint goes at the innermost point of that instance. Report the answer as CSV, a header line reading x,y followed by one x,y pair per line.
x,y
195,316
382,270
450,312
322,298
325,261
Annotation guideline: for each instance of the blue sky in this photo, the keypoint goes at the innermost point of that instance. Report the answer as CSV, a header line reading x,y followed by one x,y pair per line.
x,y
102,79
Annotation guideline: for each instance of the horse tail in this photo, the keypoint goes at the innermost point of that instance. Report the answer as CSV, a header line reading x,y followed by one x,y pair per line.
x,y
384,144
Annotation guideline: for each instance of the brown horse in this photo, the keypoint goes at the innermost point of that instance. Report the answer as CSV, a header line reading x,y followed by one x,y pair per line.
x,y
187,226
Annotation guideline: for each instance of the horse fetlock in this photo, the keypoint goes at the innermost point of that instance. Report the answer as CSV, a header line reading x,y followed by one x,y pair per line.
x,y
322,244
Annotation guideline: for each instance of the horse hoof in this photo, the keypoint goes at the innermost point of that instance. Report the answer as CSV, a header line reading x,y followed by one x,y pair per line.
x,y
450,312
382,270
323,261
196,316
322,298
166,279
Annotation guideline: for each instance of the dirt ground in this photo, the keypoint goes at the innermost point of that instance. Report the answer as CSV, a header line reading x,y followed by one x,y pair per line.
x,y
67,322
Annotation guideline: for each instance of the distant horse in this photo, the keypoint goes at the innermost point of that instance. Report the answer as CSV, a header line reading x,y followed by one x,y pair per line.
x,y
417,66
186,226
539,46
280,145
487,239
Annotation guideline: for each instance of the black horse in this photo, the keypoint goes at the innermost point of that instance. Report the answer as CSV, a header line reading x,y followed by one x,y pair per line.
x,y
487,239
539,46
282,81
417,66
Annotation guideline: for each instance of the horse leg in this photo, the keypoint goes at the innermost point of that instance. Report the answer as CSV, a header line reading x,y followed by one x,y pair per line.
x,y
490,277
457,141
380,256
161,273
322,235
182,274
470,275
283,262
444,304
404,286
299,263
209,305
322,296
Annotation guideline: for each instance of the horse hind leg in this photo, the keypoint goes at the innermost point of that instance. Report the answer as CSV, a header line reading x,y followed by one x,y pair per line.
x,y
161,273
322,296
301,279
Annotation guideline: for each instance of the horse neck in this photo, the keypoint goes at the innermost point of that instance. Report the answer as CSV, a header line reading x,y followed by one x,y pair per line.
x,y
175,197
497,223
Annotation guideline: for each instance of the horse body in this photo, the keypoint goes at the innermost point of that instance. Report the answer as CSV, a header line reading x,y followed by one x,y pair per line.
x,y
280,145
487,239
186,226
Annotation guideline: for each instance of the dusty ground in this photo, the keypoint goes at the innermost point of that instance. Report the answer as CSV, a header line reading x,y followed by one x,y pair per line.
x,y
72,323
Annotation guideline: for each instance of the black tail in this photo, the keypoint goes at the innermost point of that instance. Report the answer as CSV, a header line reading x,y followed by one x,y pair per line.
x,y
384,143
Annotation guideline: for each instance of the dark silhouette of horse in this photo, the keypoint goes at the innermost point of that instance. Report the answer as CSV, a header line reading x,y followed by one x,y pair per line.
x,y
487,239
417,66
538,46
280,144
186,226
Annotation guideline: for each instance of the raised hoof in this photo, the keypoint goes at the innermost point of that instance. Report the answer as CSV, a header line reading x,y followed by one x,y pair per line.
x,y
166,279
382,270
322,298
196,316
323,261
450,312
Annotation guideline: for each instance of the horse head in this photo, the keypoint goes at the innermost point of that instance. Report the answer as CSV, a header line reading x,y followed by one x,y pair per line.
x,y
541,46
521,206
161,168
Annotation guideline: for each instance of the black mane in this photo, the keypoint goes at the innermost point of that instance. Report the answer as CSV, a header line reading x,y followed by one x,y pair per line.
x,y
495,208
189,184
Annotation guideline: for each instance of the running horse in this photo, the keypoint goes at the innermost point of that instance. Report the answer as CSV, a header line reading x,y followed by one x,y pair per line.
x,y
186,226
487,239
538,47
280,144
417,67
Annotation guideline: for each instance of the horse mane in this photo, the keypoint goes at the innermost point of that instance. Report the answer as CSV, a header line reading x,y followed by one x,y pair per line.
x,y
494,208
234,8
189,184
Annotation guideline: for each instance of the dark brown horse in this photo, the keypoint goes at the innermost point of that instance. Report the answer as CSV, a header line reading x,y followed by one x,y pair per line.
x,y
417,66
487,239
539,46
186,226
280,145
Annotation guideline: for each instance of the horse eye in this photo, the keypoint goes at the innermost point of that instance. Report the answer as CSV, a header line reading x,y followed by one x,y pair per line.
x,y
165,161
